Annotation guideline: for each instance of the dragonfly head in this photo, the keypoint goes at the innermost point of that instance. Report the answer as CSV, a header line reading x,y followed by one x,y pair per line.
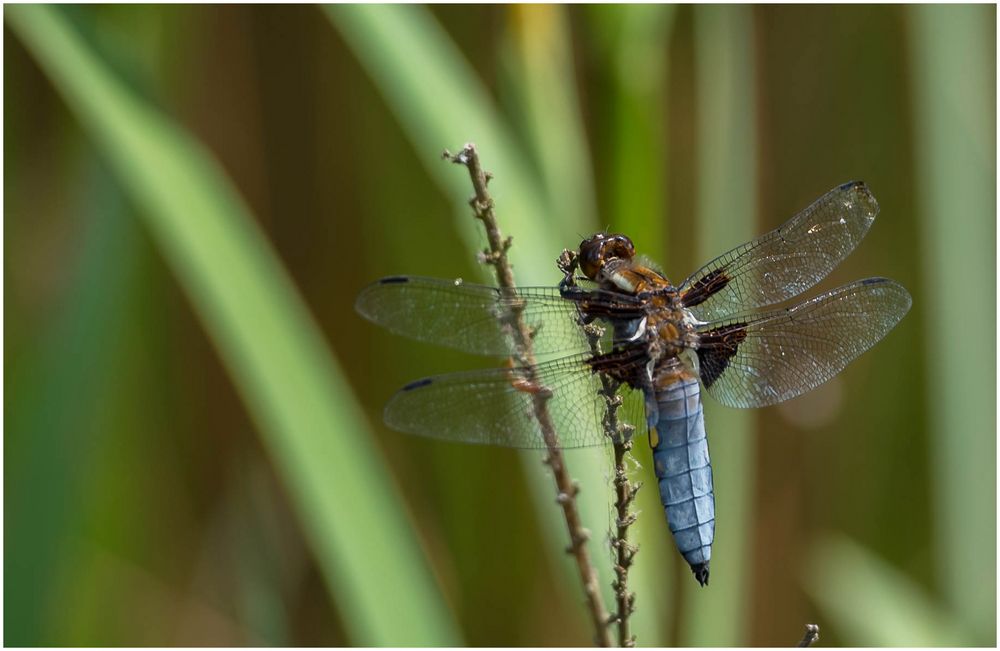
x,y
600,249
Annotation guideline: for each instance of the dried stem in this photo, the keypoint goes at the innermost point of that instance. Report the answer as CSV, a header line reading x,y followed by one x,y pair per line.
x,y
496,256
625,494
812,634
620,435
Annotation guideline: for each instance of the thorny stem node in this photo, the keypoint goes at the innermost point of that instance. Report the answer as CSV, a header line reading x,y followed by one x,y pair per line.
x,y
811,636
567,489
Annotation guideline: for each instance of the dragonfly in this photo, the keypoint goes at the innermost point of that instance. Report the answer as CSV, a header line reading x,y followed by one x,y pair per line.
x,y
624,340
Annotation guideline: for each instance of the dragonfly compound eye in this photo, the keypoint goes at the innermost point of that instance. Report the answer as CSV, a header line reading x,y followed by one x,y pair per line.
x,y
600,249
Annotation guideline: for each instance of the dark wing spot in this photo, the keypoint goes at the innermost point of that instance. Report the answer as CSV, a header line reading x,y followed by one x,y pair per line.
x,y
393,280
622,365
603,304
704,287
851,184
417,384
873,281
716,348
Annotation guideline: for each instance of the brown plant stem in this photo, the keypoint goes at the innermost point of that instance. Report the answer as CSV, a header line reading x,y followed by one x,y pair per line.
x,y
812,634
496,256
626,551
620,435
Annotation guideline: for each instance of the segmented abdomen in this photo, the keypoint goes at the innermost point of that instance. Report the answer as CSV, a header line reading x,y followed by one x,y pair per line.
x,y
680,456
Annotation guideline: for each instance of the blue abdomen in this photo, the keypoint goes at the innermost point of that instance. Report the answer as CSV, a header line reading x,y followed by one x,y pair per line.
x,y
680,457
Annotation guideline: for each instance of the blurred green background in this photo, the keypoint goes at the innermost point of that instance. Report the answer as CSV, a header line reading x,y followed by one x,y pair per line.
x,y
195,195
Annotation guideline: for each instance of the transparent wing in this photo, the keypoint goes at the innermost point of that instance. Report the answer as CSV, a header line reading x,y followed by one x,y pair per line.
x,y
760,359
786,261
476,318
497,406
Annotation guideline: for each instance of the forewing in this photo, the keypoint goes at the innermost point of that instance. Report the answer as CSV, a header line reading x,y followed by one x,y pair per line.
x,y
477,318
786,261
761,359
498,406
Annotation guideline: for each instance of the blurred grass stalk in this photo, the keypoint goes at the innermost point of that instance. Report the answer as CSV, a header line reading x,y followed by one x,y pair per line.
x,y
726,217
634,43
437,98
954,84
872,604
541,79
538,53
268,341
954,80
53,415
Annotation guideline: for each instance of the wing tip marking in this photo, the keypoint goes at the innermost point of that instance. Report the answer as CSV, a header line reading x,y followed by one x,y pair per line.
x,y
416,384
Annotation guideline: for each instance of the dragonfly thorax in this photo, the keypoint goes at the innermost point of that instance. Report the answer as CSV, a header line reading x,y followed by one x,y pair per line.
x,y
669,331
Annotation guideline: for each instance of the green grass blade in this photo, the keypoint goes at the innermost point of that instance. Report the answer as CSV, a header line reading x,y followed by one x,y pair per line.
x,y
871,604
438,100
544,98
726,196
538,54
636,40
954,85
54,397
274,352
